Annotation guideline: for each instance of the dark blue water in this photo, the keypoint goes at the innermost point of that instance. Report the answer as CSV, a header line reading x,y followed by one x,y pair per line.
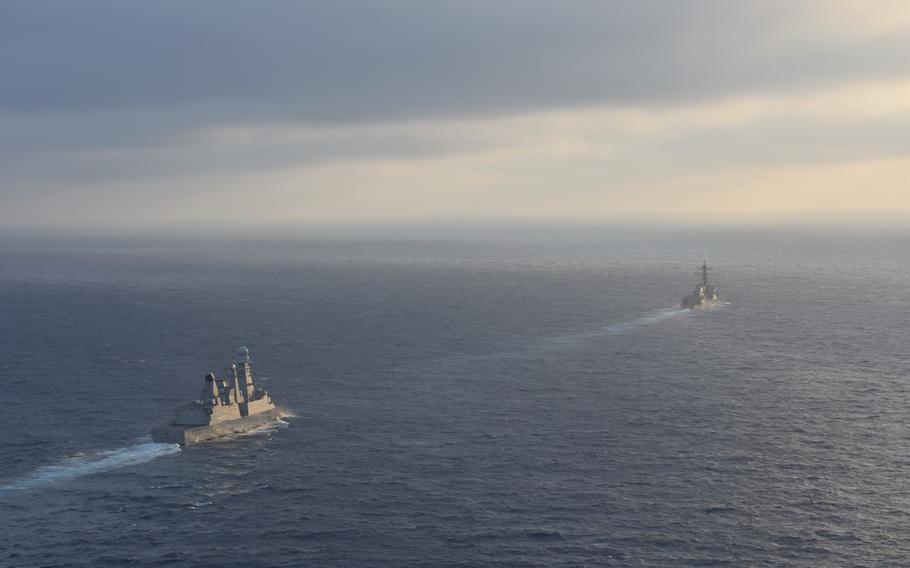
x,y
483,399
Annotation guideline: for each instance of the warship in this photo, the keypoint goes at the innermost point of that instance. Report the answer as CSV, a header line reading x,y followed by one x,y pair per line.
x,y
224,408
705,295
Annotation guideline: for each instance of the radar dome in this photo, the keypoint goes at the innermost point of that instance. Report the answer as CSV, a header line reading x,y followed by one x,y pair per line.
x,y
243,355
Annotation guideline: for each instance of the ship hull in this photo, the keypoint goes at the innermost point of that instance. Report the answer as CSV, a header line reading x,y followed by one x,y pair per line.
x,y
187,435
688,304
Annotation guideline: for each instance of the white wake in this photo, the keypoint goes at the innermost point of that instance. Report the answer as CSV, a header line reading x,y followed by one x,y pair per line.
x,y
616,328
268,428
79,466
650,318
555,343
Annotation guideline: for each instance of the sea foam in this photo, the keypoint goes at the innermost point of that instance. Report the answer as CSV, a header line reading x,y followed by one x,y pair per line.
x,y
87,464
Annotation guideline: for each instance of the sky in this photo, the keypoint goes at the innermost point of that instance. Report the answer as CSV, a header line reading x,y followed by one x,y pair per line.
x,y
224,113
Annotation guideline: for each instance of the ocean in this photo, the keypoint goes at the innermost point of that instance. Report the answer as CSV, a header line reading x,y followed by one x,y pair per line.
x,y
475,396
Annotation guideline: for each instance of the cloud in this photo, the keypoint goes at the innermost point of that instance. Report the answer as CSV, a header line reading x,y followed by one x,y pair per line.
x,y
341,60
169,110
860,122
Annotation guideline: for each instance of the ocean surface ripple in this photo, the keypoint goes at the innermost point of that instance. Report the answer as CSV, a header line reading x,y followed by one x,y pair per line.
x,y
519,401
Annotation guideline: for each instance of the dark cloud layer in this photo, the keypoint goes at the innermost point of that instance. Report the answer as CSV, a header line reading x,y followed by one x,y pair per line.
x,y
118,106
341,60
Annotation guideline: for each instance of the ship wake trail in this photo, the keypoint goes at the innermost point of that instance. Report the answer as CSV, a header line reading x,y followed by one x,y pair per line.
x,y
647,319
557,343
617,328
79,466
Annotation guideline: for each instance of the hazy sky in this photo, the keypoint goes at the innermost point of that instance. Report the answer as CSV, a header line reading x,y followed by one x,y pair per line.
x,y
132,113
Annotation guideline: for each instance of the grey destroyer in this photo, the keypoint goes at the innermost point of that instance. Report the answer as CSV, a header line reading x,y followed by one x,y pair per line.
x,y
225,407
705,294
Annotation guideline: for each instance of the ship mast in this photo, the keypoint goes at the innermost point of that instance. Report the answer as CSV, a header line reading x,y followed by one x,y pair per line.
x,y
704,273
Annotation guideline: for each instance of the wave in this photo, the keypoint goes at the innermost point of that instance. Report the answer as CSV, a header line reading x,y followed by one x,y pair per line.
x,y
287,413
88,464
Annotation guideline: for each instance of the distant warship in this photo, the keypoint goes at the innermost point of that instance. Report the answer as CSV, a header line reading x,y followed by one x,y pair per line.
x,y
705,294
224,408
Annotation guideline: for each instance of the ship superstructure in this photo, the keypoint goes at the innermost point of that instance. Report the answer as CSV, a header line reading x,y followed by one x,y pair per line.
x,y
225,407
705,293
